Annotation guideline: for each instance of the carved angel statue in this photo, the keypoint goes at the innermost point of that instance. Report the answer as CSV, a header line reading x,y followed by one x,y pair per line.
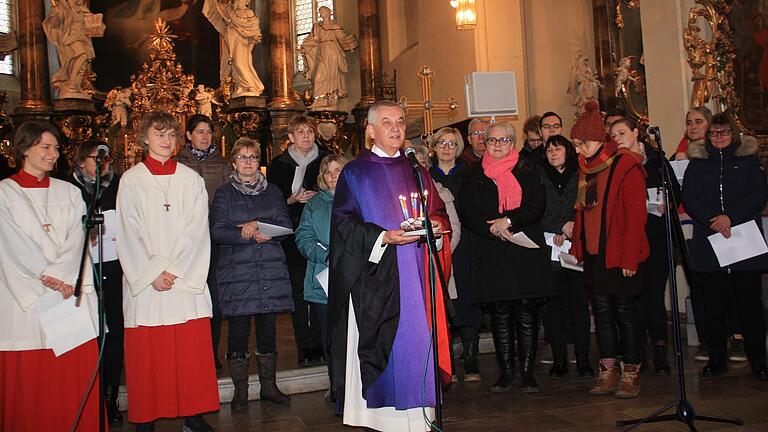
x,y
118,102
583,85
70,27
623,75
325,64
239,28
203,99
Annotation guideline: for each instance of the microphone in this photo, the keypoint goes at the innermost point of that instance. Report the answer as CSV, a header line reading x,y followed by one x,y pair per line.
x,y
410,153
652,130
103,151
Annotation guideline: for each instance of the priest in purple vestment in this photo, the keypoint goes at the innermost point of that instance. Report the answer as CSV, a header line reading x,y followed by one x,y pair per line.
x,y
381,363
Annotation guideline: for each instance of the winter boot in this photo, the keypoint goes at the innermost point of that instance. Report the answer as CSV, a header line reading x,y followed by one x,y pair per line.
x,y
608,379
238,370
267,364
629,386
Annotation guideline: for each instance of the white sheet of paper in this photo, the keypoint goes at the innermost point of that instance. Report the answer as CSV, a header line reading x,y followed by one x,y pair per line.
x,y
322,277
549,238
270,230
64,325
746,242
109,248
679,167
570,262
654,200
523,240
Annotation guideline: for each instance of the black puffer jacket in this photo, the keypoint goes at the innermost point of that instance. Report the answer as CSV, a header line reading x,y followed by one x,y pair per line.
x,y
252,277
737,170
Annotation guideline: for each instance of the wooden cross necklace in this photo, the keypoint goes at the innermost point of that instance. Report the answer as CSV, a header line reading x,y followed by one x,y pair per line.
x,y
166,204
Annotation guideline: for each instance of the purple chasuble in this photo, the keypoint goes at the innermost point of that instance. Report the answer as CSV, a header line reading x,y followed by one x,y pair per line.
x,y
369,188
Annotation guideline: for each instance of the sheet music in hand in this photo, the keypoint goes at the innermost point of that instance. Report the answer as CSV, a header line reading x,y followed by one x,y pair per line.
x,y
746,241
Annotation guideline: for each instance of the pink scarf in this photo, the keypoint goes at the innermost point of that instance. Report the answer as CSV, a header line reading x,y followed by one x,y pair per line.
x,y
500,171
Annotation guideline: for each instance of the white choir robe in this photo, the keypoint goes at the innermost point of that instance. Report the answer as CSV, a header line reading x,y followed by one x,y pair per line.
x,y
151,240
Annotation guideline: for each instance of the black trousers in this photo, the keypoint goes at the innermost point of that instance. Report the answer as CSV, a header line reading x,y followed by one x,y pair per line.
x,y
743,289
651,311
306,323
567,315
112,286
240,329
468,316
616,323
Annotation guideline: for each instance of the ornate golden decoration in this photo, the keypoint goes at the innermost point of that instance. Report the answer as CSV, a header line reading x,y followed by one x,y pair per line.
x,y
626,77
712,61
330,129
79,128
427,105
6,132
632,4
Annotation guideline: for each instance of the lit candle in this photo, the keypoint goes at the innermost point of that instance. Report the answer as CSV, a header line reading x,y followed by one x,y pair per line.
x,y
403,207
223,146
426,200
125,146
415,205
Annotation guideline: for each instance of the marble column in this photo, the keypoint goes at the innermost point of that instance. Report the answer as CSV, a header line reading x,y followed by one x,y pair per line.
x,y
370,63
284,102
33,53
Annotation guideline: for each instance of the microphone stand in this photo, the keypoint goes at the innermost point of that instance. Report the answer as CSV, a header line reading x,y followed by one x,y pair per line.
x,y
431,242
94,218
684,410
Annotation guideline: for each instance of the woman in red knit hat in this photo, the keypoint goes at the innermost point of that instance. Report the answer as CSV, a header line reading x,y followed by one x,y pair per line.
x,y
609,238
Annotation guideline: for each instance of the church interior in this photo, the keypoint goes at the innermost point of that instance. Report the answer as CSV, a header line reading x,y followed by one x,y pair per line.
x,y
653,59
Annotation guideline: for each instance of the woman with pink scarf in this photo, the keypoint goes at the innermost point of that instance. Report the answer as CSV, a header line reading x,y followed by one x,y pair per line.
x,y
503,196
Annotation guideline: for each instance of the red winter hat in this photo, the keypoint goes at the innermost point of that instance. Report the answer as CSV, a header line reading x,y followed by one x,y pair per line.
x,y
589,126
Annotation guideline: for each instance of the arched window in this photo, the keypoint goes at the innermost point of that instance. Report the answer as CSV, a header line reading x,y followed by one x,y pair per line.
x,y
305,14
6,26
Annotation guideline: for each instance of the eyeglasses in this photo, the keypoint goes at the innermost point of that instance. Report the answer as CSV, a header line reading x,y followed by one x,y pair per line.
x,y
477,133
719,133
103,159
498,142
450,144
552,126
248,158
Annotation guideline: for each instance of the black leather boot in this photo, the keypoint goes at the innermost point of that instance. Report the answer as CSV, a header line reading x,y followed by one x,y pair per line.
x,y
267,364
527,314
196,424
238,370
471,370
560,363
660,363
114,416
504,340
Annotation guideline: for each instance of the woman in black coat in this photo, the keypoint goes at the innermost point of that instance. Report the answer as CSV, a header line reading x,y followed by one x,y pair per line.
x,y
295,173
501,197
567,315
251,271
725,186
84,177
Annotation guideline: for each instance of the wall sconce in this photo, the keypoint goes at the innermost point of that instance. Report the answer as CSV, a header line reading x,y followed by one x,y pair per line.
x,y
466,18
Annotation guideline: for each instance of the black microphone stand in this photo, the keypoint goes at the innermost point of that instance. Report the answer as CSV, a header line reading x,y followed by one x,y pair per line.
x,y
684,410
94,218
431,242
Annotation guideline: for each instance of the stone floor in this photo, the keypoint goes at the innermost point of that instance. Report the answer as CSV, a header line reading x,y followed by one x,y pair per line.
x,y
562,405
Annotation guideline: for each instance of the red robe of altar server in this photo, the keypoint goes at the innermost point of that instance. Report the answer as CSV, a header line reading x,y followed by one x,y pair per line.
x,y
48,349
162,226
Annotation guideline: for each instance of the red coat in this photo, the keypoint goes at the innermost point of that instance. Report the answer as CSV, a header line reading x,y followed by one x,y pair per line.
x,y
626,213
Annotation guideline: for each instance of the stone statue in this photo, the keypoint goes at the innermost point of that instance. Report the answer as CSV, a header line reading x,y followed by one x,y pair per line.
x,y
7,44
204,98
118,102
583,85
623,75
325,64
70,27
239,27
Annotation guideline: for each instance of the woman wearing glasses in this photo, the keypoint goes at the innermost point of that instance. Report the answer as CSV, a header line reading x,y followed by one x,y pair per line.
x,y
84,177
725,186
450,170
501,197
252,272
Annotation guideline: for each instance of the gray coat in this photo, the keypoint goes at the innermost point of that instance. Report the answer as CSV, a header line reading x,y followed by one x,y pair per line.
x,y
252,278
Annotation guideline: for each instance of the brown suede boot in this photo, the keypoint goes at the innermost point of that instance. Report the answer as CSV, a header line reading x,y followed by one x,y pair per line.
x,y
608,377
267,364
629,386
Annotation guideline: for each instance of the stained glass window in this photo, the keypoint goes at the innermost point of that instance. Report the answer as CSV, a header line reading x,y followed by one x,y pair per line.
x,y
305,15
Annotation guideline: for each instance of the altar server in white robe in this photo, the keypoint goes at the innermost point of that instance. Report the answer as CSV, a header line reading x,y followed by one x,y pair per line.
x,y
164,247
48,349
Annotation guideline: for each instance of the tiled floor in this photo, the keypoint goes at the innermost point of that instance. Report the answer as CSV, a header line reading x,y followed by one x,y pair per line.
x,y
562,405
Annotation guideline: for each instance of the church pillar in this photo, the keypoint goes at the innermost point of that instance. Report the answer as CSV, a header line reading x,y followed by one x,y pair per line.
x,y
370,62
33,53
284,102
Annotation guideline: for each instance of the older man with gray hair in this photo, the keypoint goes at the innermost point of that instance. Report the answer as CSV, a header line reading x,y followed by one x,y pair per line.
x,y
476,134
